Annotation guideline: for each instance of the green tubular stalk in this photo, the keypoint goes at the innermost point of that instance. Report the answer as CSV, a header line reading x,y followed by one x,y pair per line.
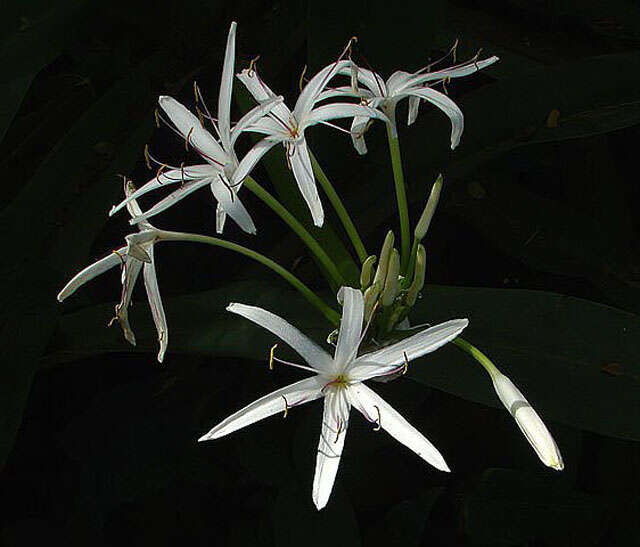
x,y
340,209
313,298
477,355
401,196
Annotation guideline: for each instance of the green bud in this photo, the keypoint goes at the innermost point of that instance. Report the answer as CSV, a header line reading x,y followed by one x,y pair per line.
x,y
423,224
383,263
370,298
391,283
418,276
366,276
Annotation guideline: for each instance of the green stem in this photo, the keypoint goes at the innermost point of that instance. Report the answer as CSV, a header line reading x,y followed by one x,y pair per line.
x,y
340,209
401,196
477,355
298,228
313,298
408,275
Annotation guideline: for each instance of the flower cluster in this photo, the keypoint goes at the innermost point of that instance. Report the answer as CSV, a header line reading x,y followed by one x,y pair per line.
x,y
373,338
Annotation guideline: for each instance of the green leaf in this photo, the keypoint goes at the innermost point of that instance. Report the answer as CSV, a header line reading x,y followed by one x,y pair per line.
x,y
557,349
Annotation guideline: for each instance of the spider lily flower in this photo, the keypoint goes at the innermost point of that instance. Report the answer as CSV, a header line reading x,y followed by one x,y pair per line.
x,y
287,127
528,421
220,157
137,255
339,380
378,93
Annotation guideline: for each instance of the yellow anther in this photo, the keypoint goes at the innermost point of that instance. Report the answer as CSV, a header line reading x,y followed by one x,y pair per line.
x,y
200,116
286,407
156,115
182,172
271,355
159,172
304,71
146,156
406,363
195,90
455,50
186,141
252,64
377,427
121,260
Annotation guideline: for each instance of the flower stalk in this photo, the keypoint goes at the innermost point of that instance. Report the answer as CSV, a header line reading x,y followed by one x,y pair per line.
x,y
401,196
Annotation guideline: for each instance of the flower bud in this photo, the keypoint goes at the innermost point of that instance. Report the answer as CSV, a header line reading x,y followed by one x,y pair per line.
x,y
383,263
391,284
528,421
423,224
418,276
366,275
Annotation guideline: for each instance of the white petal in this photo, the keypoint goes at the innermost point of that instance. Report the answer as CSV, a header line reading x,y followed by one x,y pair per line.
x,y
228,200
358,126
445,104
375,407
155,303
166,178
313,354
295,394
128,279
116,258
459,71
250,121
226,88
372,80
341,110
332,436
398,81
314,87
252,157
261,92
343,91
173,198
350,326
189,126
221,218
414,105
303,173
413,347
528,421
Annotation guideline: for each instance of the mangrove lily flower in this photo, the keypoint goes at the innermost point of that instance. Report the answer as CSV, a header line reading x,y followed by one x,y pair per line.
x,y
415,86
284,126
339,379
528,421
135,256
220,157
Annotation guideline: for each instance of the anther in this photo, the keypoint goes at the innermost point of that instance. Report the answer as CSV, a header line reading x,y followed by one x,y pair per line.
x,y
406,363
379,426
182,172
304,71
271,355
159,172
156,115
252,64
286,406
200,116
186,141
146,156
195,90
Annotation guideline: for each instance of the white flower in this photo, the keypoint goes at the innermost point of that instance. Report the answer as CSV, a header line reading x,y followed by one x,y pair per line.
x,y
416,86
135,256
220,156
339,380
287,127
528,421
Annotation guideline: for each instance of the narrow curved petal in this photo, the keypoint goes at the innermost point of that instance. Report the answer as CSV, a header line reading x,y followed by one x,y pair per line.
x,y
343,91
314,87
189,126
341,110
413,347
226,88
459,71
261,92
332,436
250,160
398,81
350,326
313,354
251,119
528,421
129,276
155,303
232,206
278,401
445,104
373,81
358,126
371,405
116,258
221,218
303,173
164,179
275,130
414,105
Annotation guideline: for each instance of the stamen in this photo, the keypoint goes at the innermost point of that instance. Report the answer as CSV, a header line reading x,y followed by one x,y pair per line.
x,y
338,431
271,356
147,156
379,426
186,141
286,406
182,173
156,114
406,363
159,172
195,90
445,81
200,116
304,70
251,71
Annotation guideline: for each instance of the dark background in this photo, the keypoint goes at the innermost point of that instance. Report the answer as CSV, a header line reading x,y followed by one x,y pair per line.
x,y
98,439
